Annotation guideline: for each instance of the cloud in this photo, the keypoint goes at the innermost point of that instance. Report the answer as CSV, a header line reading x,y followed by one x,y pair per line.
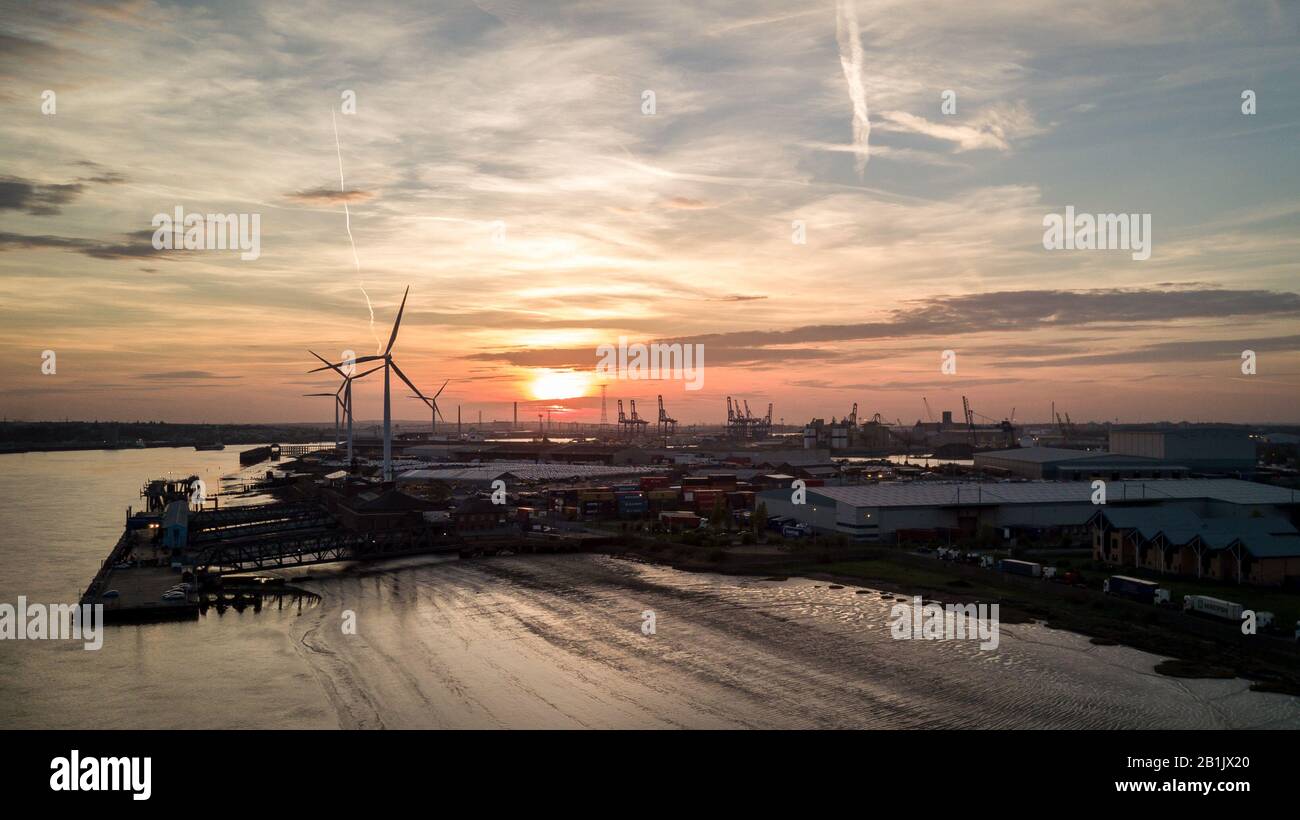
x,y
952,317
331,195
993,128
686,203
133,245
849,40
18,194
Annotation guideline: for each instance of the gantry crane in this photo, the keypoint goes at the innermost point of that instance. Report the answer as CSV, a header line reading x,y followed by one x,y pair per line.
x,y
665,426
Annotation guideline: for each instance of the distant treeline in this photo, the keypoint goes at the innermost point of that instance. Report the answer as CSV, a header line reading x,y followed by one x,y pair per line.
x,y
53,435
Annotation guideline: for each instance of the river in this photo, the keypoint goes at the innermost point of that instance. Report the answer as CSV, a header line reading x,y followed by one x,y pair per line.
x,y
533,642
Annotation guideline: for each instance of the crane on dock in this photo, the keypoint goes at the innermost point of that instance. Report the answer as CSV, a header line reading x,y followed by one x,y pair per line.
x,y
970,420
665,426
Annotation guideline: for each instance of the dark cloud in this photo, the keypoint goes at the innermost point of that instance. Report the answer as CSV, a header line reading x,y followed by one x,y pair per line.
x,y
133,245
1228,350
330,195
1004,311
18,194
1031,310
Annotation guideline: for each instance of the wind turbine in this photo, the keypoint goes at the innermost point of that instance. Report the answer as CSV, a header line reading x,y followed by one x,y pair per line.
x,y
346,389
337,402
435,412
389,364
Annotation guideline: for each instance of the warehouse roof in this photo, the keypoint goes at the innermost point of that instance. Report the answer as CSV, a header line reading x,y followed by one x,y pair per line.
x,y
1041,455
928,494
523,471
1263,537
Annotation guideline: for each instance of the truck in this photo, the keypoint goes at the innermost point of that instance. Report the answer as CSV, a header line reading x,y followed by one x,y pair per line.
x,y
1212,607
1137,589
1026,568
796,530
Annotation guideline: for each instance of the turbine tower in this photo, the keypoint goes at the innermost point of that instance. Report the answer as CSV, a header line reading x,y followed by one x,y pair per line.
x,y
337,402
434,410
389,364
346,389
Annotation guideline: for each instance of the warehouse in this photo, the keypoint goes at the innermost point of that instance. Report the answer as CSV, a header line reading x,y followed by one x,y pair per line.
x,y
878,512
1255,549
1058,463
1203,449
482,475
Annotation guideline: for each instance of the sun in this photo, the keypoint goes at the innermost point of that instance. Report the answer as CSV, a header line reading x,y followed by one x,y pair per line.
x,y
548,385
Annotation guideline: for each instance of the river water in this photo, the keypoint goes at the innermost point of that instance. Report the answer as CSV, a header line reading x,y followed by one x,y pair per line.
x,y
533,642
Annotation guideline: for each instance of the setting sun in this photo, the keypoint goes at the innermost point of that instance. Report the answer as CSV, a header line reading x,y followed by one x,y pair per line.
x,y
548,385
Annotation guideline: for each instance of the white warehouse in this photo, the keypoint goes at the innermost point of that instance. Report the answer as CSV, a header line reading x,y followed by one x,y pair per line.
x,y
879,512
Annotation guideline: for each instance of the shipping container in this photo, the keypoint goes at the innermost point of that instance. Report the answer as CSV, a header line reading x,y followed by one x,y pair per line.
x,y
1026,568
1213,607
1148,592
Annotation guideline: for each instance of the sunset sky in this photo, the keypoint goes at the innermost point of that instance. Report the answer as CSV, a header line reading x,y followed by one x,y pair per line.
x,y
924,229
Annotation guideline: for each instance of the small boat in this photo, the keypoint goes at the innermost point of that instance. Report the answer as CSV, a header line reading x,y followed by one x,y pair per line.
x,y
217,446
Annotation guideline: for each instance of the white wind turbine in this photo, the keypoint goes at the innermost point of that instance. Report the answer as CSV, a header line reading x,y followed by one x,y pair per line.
x,y
389,364
346,390
337,402
434,410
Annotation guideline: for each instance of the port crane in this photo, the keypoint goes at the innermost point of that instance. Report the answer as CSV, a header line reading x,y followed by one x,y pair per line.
x,y
970,420
743,424
631,425
665,426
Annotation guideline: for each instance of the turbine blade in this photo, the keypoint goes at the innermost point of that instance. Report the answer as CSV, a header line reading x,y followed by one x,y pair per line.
x,y
336,367
440,389
325,362
402,376
393,339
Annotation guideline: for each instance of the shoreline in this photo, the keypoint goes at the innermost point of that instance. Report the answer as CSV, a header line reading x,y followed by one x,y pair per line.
x,y
1105,621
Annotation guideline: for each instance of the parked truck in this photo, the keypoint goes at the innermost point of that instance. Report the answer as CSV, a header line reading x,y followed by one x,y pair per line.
x,y
1213,607
1137,589
1027,568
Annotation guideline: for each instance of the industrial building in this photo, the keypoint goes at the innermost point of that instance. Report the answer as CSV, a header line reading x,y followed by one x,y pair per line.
x,y
510,471
1202,449
891,511
1254,549
1058,463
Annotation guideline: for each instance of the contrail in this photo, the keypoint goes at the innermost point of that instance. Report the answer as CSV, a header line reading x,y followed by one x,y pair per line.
x,y
850,43
347,220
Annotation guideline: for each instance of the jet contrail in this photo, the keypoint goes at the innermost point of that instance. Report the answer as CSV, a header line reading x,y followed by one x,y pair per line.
x,y
347,220
850,43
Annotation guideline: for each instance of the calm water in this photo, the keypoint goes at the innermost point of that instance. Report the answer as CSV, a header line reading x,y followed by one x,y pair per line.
x,y
533,642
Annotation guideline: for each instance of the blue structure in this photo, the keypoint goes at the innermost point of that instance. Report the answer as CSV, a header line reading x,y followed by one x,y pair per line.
x,y
176,525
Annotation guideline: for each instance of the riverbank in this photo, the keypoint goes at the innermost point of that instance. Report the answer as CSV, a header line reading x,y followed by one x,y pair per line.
x,y
1197,649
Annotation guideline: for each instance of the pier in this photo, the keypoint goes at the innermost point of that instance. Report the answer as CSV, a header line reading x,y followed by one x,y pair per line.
x,y
170,558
